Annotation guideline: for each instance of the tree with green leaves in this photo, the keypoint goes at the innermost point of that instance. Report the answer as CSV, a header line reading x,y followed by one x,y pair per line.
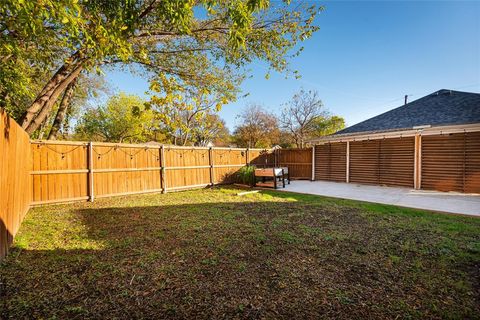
x,y
124,118
192,41
33,43
181,108
327,125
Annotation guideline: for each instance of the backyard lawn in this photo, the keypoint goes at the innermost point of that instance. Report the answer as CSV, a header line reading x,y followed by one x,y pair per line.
x,y
212,254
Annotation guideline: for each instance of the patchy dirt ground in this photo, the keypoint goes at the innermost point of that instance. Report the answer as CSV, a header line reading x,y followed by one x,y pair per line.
x,y
212,254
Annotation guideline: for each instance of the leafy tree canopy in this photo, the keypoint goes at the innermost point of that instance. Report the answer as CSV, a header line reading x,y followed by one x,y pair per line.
x,y
123,118
195,42
185,110
327,125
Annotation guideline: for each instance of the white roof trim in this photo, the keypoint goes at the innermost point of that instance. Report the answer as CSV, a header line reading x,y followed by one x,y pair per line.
x,y
398,134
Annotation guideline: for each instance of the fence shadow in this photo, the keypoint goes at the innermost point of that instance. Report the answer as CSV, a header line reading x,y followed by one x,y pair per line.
x,y
6,238
152,261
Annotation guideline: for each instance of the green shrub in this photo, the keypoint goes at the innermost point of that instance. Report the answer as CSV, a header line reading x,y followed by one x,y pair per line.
x,y
246,175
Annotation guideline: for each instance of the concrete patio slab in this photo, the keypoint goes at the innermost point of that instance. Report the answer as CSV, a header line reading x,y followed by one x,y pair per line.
x,y
451,202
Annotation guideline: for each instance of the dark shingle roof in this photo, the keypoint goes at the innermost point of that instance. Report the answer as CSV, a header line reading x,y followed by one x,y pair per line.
x,y
444,107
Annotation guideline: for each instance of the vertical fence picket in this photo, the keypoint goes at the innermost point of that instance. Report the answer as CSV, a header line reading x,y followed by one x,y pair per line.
x,y
210,161
162,170
91,195
123,169
15,179
347,172
313,163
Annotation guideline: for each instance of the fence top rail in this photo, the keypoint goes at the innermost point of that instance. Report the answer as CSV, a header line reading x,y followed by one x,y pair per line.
x,y
60,142
139,145
96,144
238,149
296,149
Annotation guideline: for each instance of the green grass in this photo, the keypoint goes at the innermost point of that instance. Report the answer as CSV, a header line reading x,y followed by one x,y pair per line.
x,y
212,254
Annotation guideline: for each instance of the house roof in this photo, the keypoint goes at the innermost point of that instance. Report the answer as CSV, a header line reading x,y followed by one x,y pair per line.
x,y
444,107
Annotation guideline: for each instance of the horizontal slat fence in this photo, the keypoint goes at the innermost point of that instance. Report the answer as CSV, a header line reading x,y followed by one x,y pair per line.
x,y
65,171
397,159
387,162
331,161
15,188
451,162
472,162
365,162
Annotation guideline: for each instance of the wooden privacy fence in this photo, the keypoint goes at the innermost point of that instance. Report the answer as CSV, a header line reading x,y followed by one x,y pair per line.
x,y
298,161
15,182
64,171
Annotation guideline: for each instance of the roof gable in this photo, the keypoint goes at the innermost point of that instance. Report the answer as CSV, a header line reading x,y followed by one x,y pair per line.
x,y
444,107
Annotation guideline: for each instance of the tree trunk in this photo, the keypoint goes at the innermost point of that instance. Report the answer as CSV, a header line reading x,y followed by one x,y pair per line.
x,y
42,128
47,104
50,89
62,110
185,139
66,122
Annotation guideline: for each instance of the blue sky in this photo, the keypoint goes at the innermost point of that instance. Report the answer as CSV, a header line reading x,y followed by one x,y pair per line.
x,y
366,57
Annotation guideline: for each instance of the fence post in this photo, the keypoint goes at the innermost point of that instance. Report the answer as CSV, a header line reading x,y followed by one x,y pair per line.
x,y
347,172
313,162
210,162
160,166
162,170
417,163
90,172
419,172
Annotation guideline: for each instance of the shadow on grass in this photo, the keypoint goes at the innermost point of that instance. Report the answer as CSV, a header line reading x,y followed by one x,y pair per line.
x,y
298,256
6,239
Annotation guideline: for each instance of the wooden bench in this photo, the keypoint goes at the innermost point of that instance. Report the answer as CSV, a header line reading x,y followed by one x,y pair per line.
x,y
272,173
286,175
